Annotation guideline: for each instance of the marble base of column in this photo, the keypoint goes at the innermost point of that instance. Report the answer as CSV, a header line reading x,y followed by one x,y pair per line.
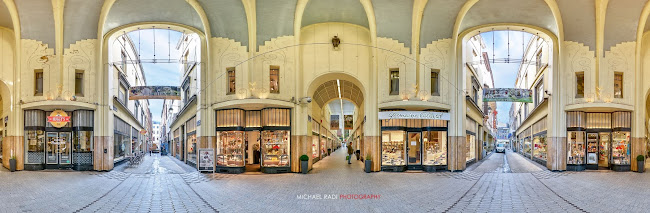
x,y
103,154
372,145
638,146
13,145
300,145
556,153
456,161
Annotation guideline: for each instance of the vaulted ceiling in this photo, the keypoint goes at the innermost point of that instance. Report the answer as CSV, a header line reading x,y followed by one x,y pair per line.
x,y
392,19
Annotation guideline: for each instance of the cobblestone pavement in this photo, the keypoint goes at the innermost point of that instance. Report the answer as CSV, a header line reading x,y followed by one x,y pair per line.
x,y
501,183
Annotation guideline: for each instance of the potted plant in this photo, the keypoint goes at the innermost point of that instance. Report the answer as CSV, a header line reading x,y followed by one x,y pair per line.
x,y
368,163
640,165
12,163
329,151
304,164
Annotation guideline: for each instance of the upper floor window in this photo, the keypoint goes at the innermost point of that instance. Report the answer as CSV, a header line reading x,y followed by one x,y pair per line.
x,y
435,82
580,85
231,80
618,85
123,60
79,83
121,96
394,81
538,61
274,77
539,92
38,82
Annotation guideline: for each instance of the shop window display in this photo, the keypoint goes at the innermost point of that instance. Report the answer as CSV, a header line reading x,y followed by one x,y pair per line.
x,y
230,148
540,146
392,148
435,147
314,147
35,146
323,143
275,145
527,146
470,148
82,141
576,148
120,145
621,148
191,151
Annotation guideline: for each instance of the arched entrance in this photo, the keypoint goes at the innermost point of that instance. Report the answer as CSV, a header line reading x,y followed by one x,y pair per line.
x,y
337,112
534,72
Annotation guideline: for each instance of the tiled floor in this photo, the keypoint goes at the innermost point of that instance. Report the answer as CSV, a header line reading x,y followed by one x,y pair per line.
x,y
502,183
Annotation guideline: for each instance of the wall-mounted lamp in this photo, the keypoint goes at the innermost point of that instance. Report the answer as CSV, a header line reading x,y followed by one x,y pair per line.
x,y
336,41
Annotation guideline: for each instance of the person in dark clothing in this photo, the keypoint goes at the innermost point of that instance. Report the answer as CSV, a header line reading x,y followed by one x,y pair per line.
x,y
350,152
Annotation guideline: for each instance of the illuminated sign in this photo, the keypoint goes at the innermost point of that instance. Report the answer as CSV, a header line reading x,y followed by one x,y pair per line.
x,y
58,118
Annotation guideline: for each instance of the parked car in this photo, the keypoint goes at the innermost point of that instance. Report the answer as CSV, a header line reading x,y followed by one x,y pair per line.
x,y
501,147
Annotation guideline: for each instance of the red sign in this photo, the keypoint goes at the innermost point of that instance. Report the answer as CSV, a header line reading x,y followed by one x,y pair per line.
x,y
58,118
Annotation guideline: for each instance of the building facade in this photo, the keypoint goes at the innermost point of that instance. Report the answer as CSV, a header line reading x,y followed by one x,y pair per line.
x,y
259,72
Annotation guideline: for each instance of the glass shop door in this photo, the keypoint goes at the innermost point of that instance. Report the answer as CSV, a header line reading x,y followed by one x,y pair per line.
x,y
414,148
58,148
603,149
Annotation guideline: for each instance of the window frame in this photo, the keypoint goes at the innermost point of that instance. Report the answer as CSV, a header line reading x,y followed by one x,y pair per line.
x,y
79,85
393,75
39,76
539,91
276,70
231,79
435,91
621,84
580,79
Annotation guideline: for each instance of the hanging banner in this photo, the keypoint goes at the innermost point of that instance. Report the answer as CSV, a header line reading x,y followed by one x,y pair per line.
x,y
334,122
427,115
348,121
155,92
206,159
507,95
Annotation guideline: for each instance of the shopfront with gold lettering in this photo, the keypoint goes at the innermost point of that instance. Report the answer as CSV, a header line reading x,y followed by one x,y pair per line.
x,y
58,139
413,140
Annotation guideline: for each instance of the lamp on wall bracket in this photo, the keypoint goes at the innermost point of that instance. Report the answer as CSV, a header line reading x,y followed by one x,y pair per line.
x,y
336,41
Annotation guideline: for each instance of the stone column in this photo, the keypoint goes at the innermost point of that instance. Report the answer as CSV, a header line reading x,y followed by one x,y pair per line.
x,y
103,153
556,154
16,144
638,148
456,158
372,145
300,145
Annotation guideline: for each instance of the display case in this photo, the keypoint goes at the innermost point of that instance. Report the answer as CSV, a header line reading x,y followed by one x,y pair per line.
x,y
314,148
392,148
275,148
230,148
470,148
435,147
592,150
621,148
540,147
576,148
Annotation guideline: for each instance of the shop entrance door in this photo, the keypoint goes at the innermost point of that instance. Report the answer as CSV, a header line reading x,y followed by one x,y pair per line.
x,y
253,151
414,150
603,149
58,151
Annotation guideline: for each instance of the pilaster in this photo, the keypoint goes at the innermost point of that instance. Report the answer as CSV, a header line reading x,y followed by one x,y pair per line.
x,y
556,155
638,148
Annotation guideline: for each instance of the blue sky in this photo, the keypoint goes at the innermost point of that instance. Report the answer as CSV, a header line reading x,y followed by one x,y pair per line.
x,y
158,74
505,74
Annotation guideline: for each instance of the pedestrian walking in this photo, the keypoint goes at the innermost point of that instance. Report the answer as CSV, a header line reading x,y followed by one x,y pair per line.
x,y
350,152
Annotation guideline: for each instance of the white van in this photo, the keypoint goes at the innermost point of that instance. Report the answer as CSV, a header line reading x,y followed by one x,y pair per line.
x,y
501,147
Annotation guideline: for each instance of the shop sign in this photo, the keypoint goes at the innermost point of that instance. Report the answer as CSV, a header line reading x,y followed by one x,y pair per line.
x,y
143,132
414,115
348,122
507,95
155,92
334,122
58,118
206,159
